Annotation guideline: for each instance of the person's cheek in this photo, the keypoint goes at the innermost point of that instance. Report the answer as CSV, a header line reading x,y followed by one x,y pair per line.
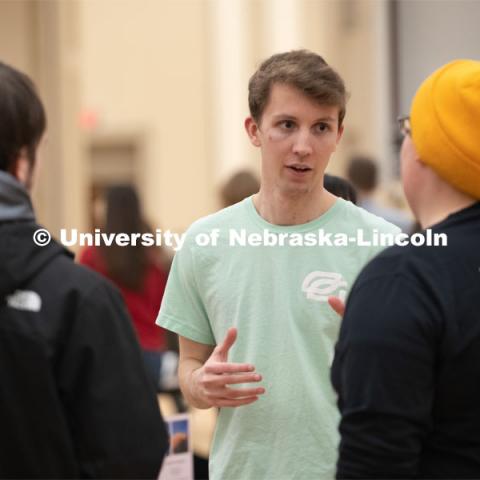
x,y
326,144
277,134
404,160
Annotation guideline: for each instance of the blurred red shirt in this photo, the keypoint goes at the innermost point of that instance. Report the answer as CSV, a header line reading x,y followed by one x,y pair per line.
x,y
143,305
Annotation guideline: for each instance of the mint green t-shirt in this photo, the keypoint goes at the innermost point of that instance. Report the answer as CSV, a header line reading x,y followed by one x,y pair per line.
x,y
276,296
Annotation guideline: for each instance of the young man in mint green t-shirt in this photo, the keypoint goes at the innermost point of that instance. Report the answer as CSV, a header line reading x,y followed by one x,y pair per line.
x,y
248,292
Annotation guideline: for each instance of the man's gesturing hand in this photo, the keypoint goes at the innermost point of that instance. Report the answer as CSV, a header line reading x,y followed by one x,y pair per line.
x,y
337,305
212,380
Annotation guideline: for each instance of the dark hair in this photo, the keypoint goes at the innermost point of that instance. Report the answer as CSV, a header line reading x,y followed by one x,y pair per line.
x,y
340,187
363,173
302,69
241,185
22,116
125,265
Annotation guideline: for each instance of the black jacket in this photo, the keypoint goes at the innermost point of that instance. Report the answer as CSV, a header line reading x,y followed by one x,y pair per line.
x,y
75,400
407,363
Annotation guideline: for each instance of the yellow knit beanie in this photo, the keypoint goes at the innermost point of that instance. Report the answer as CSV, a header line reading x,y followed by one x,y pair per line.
x,y
445,123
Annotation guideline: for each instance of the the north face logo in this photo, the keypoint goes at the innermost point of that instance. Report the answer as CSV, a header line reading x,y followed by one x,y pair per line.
x,y
318,286
25,300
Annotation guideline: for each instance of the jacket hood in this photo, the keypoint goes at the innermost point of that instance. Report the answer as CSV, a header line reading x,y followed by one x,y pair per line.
x,y
15,203
20,257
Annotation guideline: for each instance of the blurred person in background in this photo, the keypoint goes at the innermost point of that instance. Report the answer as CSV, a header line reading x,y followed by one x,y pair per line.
x,y
75,400
340,187
407,363
249,314
140,272
362,172
239,186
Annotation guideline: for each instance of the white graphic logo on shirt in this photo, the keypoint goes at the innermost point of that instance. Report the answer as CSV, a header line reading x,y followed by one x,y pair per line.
x,y
318,286
25,300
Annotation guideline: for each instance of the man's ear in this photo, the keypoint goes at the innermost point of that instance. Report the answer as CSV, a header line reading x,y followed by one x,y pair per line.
x,y
340,133
252,131
339,137
22,168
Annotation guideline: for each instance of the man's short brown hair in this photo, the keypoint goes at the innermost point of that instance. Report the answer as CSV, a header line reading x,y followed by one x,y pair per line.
x,y
302,69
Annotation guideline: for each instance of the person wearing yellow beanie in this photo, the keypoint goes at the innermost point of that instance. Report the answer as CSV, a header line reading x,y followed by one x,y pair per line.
x,y
445,119
407,362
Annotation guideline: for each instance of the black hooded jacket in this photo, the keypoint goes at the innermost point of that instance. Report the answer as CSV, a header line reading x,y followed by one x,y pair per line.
x,y
407,362
75,400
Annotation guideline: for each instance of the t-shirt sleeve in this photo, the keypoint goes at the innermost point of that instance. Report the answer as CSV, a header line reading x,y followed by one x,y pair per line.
x,y
382,233
183,309
383,372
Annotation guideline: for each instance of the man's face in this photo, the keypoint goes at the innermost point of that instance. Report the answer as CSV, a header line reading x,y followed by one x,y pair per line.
x,y
296,136
411,171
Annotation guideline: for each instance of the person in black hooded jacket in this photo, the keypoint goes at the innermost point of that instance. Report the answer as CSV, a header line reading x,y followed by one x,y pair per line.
x,y
75,399
407,362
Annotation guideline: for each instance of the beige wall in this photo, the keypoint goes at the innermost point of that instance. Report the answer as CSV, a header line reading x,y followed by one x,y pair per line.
x,y
17,22
144,72
358,37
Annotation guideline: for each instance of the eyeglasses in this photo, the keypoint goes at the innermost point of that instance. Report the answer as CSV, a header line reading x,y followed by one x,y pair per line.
x,y
404,125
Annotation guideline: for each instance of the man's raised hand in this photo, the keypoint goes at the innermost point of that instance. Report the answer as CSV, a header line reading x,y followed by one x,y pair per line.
x,y
337,305
212,381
